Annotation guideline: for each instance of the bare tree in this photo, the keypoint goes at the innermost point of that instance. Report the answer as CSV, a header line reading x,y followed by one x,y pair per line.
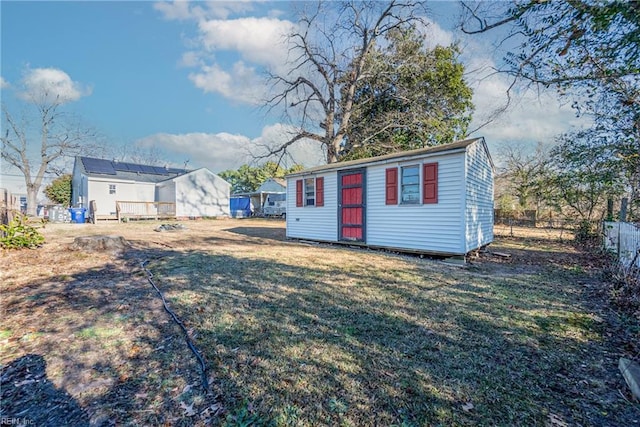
x,y
34,149
525,174
327,62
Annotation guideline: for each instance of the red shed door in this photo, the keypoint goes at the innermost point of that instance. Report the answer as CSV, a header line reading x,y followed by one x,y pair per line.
x,y
351,206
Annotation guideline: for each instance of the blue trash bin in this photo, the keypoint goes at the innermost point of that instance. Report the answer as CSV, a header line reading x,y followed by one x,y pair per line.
x,y
78,215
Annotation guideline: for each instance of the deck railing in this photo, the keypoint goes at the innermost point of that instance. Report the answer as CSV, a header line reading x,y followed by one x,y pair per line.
x,y
126,210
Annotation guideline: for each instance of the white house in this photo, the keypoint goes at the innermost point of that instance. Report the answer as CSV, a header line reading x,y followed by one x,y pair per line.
x,y
273,185
436,200
199,193
269,199
112,184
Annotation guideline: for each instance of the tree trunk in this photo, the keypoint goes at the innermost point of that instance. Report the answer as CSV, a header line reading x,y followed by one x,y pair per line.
x,y
32,201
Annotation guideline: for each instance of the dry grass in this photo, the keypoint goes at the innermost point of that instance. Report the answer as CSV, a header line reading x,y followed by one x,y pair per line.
x,y
297,334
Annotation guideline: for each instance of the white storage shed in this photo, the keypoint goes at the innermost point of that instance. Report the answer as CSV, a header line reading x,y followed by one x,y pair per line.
x,y
436,200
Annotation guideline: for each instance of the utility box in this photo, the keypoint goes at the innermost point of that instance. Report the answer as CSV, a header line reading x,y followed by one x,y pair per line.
x,y
59,214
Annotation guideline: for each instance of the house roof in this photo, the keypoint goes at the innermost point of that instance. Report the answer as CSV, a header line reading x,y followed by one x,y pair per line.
x,y
197,171
393,156
280,181
126,171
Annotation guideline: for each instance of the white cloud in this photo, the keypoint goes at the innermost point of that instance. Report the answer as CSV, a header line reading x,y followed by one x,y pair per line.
x,y
531,116
240,84
179,10
435,35
305,152
182,10
227,51
190,59
216,152
3,83
258,40
51,85
222,151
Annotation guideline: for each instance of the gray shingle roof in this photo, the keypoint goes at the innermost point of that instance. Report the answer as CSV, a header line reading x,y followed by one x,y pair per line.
x,y
393,156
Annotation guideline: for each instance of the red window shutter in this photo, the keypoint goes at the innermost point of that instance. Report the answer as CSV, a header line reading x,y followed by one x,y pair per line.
x,y
430,183
320,191
299,193
391,185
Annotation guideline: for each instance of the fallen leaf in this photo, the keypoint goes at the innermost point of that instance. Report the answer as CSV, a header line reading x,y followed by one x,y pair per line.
x,y
187,388
142,395
213,410
556,421
467,407
188,409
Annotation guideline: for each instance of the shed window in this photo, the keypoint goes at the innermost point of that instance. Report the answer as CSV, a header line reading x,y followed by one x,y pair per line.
x,y
309,192
112,189
410,185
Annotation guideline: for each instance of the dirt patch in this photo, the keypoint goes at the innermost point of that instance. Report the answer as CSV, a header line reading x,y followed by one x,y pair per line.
x,y
297,334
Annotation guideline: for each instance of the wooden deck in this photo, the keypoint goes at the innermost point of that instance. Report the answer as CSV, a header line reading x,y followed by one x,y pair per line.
x,y
132,211
127,211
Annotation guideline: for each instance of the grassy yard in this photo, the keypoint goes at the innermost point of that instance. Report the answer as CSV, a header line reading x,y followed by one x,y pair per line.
x,y
298,334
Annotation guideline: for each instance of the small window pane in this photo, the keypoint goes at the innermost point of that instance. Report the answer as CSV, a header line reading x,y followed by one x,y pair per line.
x,y
410,185
112,189
310,191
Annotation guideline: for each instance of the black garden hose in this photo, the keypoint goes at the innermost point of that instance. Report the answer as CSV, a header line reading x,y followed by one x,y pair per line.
x,y
203,365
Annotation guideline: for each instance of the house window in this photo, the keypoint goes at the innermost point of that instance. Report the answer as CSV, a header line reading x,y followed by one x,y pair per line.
x,y
309,192
112,189
410,185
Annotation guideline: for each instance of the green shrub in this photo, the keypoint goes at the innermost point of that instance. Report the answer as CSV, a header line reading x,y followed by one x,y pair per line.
x,y
20,234
59,191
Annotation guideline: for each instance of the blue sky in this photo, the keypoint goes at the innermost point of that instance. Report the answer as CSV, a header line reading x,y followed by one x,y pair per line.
x,y
184,77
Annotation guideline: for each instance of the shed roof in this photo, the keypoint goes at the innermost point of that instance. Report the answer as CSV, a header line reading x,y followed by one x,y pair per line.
x,y
392,156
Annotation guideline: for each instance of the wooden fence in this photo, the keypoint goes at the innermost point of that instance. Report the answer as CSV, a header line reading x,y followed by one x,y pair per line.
x,y
623,238
9,206
144,210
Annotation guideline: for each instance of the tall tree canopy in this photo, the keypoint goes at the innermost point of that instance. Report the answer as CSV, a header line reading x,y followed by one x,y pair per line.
x,y
342,55
248,178
412,97
564,42
588,50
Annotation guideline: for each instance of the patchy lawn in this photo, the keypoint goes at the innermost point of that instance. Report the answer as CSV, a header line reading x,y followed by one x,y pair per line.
x,y
298,334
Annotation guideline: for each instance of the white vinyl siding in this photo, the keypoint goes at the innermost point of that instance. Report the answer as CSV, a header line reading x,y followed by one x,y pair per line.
x,y
479,198
318,222
201,193
460,221
424,227
127,191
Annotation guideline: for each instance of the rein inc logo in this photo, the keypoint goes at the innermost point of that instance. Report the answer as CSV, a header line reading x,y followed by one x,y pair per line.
x,y
10,421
